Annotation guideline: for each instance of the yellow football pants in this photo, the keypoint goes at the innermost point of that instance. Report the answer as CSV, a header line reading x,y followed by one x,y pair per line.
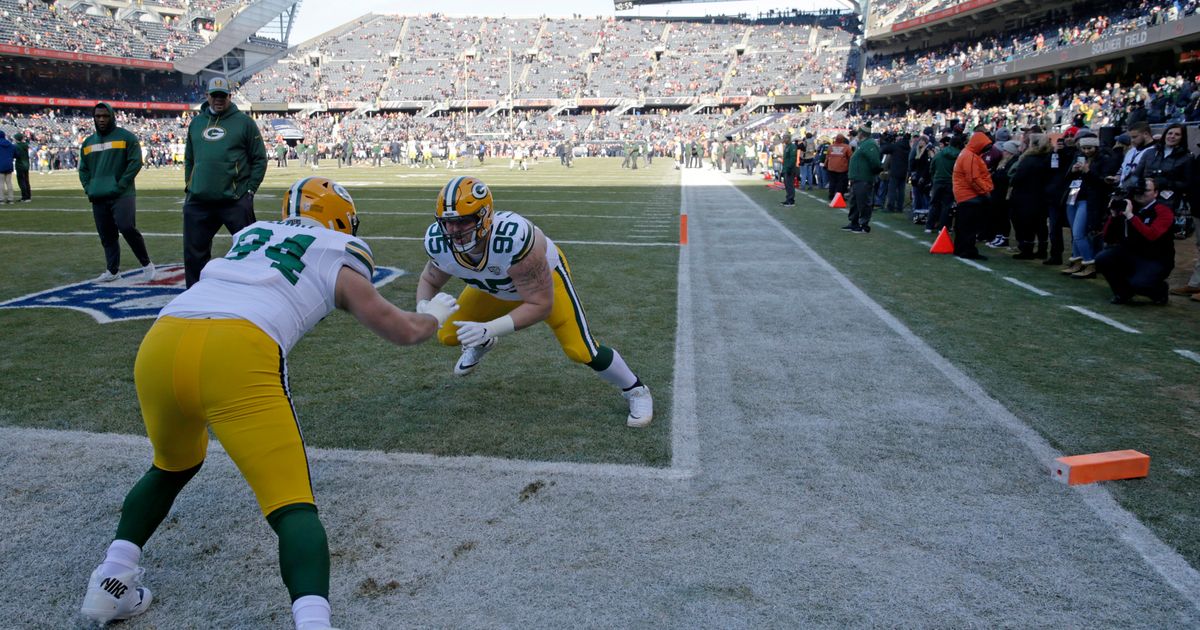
x,y
227,375
566,318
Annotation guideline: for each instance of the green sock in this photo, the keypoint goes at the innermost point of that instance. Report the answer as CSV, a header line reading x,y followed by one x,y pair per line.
x,y
149,501
303,550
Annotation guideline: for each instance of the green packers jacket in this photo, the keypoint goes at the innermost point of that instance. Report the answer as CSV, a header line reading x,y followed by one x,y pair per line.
x,y
224,156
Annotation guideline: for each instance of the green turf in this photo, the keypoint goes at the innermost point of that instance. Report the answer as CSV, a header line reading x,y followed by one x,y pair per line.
x,y
1083,385
62,370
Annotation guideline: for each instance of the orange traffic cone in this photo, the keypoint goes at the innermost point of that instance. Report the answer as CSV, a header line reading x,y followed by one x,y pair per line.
x,y
943,244
838,201
767,175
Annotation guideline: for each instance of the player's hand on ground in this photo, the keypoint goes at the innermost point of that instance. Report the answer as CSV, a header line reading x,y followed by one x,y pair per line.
x,y
471,334
441,306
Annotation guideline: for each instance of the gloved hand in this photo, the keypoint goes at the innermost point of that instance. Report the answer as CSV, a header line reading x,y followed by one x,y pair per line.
x,y
472,334
442,306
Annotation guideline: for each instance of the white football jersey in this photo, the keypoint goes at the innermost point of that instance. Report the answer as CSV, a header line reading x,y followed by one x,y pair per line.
x,y
279,276
510,240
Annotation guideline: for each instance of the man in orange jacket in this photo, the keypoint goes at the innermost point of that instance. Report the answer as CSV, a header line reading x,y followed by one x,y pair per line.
x,y
972,187
837,164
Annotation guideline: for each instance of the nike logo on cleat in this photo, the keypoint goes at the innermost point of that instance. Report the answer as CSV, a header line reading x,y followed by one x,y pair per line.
x,y
114,587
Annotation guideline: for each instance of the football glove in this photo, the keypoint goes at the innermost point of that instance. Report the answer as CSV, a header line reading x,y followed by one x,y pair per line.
x,y
471,334
441,307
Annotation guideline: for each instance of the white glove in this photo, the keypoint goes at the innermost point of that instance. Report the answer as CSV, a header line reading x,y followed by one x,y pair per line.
x,y
471,334
442,306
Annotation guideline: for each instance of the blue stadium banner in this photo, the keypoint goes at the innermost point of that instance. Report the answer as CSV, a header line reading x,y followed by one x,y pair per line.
x,y
286,129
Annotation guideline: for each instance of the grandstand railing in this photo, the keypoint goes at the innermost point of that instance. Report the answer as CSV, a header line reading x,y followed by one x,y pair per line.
x,y
1103,49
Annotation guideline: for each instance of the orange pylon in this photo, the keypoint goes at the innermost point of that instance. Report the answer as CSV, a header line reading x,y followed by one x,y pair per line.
x,y
943,244
838,201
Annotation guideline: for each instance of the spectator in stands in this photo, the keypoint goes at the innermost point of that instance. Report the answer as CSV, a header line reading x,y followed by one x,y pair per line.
x,y
224,164
21,166
109,161
942,183
972,192
7,153
865,166
789,171
1141,250
1027,197
837,164
1087,197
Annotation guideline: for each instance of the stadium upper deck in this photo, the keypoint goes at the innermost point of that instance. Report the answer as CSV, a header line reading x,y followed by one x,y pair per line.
x,y
435,58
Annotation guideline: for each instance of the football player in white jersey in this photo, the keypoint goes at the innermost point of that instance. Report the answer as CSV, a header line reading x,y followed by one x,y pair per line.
x,y
215,359
516,277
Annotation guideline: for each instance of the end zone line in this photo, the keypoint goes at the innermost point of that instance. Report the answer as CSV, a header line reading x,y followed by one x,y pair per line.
x,y
1188,354
1100,318
1165,561
1028,287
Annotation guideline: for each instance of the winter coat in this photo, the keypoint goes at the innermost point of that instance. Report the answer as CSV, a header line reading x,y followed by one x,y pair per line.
x,y
109,162
971,177
867,161
224,156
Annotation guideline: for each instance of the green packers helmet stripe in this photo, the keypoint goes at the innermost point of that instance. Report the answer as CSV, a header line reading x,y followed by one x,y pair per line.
x,y
577,308
450,193
293,209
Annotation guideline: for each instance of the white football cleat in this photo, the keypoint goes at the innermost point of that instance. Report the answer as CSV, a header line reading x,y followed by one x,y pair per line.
x,y
148,272
107,276
115,597
641,406
472,356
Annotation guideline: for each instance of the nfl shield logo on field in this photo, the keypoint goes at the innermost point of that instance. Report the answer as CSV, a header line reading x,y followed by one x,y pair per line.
x,y
130,296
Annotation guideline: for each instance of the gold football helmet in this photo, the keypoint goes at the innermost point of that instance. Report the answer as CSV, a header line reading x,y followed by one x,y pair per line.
x,y
464,212
323,202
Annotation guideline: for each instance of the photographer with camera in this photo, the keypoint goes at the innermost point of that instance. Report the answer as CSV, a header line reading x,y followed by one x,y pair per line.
x,y
1141,249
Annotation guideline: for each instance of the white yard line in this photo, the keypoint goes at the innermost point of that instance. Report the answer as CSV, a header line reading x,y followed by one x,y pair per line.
x,y
972,263
371,238
1100,318
1165,560
1188,354
1028,287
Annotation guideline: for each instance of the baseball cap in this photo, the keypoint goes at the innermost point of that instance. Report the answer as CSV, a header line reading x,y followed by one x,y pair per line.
x,y
218,84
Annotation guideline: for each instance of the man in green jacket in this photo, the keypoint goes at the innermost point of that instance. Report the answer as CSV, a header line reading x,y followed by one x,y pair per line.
x,y
865,166
21,162
109,161
941,196
224,162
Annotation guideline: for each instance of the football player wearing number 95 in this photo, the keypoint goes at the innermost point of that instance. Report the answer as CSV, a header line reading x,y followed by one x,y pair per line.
x,y
216,359
516,277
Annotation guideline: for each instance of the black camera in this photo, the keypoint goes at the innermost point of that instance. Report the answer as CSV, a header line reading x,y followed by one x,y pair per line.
x,y
1116,203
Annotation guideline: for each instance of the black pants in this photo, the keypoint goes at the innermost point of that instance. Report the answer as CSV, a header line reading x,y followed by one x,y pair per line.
x,y
837,183
1058,221
201,220
941,200
113,217
1029,225
968,219
862,202
1129,275
789,185
23,183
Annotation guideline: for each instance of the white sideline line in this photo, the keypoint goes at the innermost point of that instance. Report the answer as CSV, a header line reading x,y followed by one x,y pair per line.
x,y
685,438
883,225
1163,559
905,234
1028,287
370,238
974,264
1188,354
397,213
1100,318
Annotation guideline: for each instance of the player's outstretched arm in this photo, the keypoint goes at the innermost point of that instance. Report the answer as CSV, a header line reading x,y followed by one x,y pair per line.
x,y
431,281
355,294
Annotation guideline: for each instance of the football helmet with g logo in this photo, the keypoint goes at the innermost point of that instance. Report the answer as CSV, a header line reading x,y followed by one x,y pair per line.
x,y
323,202
464,212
